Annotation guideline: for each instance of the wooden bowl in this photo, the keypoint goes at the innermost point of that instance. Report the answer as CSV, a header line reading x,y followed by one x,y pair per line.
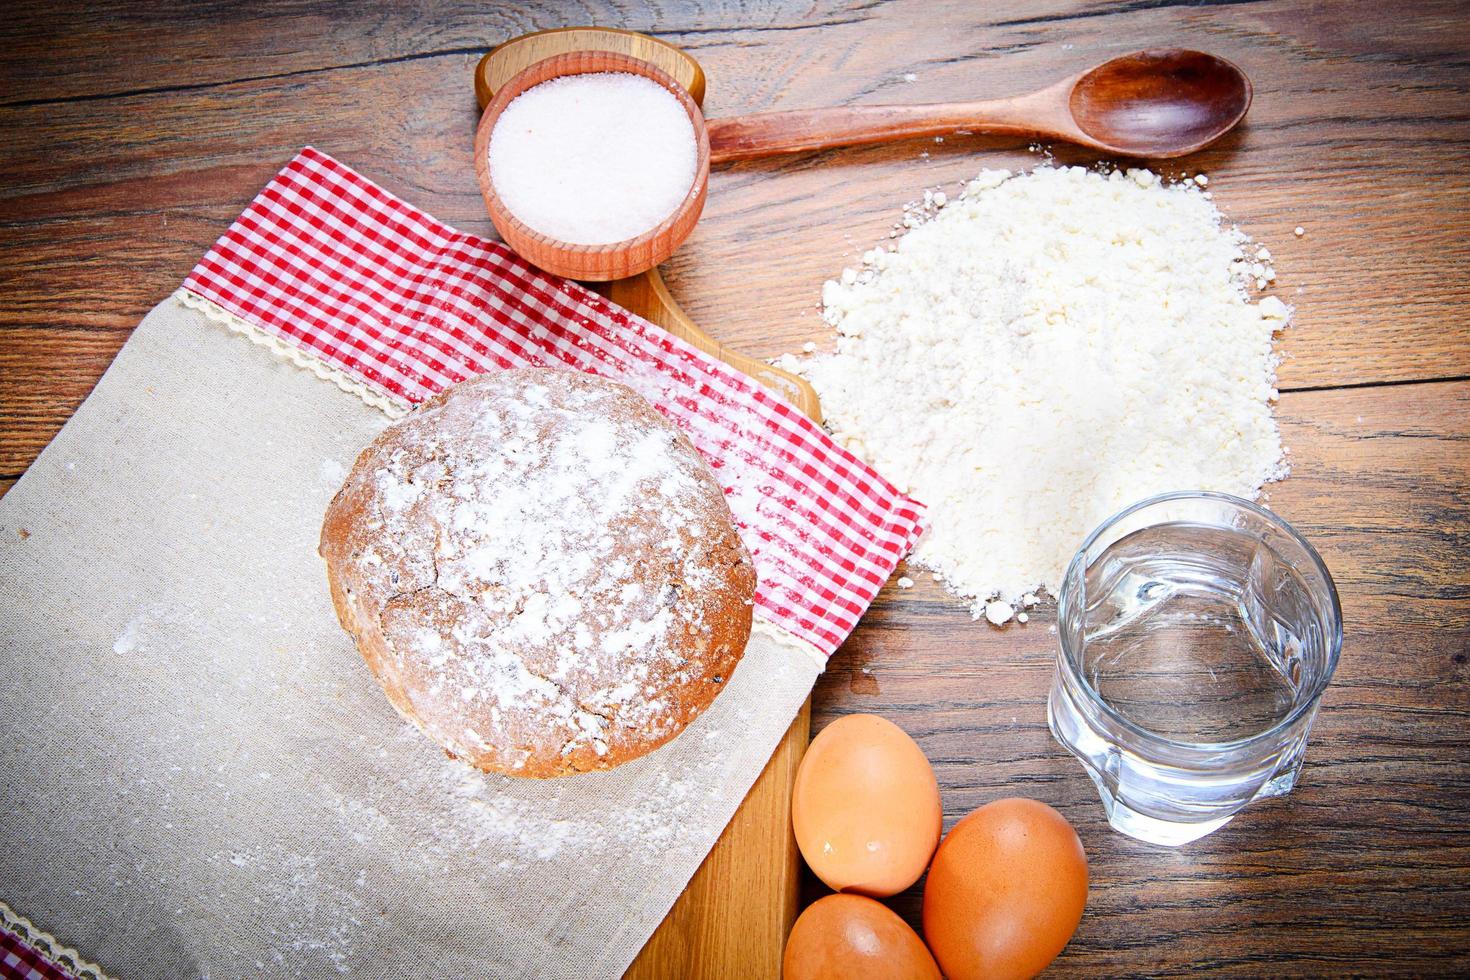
x,y
500,63
614,260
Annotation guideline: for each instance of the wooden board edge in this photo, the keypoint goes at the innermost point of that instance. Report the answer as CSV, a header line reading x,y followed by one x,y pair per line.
x,y
751,898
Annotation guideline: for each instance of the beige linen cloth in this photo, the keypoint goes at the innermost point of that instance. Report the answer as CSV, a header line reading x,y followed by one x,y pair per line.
x,y
201,778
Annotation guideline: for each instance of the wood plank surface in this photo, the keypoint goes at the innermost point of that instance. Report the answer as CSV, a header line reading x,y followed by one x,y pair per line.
x,y
738,895
710,926
134,132
1362,870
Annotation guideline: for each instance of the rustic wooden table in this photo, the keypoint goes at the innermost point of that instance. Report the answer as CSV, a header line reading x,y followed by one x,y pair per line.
x,y
133,133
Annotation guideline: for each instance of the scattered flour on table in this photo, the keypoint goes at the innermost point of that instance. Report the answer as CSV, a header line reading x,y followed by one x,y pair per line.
x,y
1043,350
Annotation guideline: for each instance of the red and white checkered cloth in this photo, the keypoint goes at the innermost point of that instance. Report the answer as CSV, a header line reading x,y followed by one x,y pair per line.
x,y
21,962
329,262
333,265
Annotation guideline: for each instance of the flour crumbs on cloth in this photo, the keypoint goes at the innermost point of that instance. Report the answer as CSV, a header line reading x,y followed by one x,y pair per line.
x,y
1043,350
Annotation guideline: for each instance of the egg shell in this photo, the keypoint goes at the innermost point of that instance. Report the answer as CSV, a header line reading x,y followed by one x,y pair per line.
x,y
866,807
1006,891
850,937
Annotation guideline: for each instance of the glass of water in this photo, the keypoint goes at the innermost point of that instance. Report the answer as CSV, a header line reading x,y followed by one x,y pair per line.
x,y
1198,632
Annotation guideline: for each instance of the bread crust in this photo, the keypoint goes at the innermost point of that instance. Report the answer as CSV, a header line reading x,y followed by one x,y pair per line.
x,y
541,571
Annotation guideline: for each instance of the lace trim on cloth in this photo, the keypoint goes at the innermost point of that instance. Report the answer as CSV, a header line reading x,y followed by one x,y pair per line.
x,y
48,947
390,406
397,409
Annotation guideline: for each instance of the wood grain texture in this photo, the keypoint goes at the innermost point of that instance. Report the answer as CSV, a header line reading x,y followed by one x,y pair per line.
x,y
714,930
135,132
505,60
1341,104
649,297
713,927
1362,870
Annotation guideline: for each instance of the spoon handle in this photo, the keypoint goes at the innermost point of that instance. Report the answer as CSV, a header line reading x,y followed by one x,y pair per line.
x,y
771,133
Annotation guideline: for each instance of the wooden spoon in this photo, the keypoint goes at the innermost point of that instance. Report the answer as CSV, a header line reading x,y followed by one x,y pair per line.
x,y
1157,104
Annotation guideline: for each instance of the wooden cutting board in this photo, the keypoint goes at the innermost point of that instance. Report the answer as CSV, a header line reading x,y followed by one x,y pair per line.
x,y
732,919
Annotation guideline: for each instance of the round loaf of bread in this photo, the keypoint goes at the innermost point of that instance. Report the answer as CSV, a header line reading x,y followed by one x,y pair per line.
x,y
541,571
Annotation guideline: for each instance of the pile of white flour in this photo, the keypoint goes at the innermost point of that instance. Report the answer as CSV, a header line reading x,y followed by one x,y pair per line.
x,y
1049,348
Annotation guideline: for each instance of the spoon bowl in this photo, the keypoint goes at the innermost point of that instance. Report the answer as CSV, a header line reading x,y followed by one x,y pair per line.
x,y
613,260
1159,103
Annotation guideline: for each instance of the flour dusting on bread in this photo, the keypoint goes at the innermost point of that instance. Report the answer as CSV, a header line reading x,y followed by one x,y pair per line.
x,y
542,572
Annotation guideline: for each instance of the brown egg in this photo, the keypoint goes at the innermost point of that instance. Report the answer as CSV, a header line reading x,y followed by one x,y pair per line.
x,y
849,937
1005,892
866,807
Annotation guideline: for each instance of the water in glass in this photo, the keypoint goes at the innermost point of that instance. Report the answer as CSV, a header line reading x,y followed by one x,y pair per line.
x,y
1197,633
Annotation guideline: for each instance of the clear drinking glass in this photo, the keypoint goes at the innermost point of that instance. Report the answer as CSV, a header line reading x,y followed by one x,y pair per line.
x,y
1198,632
